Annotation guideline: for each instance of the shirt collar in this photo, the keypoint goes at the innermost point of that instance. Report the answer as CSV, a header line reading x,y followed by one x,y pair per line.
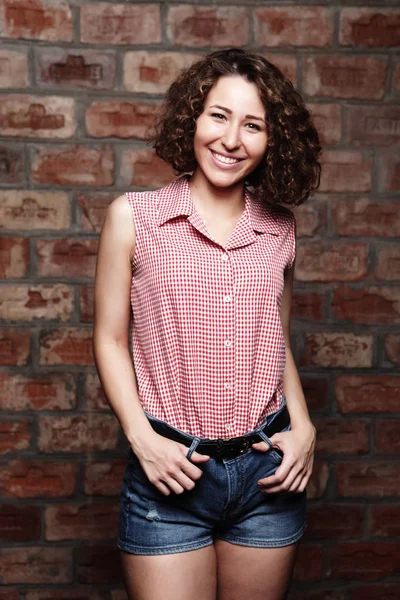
x,y
175,200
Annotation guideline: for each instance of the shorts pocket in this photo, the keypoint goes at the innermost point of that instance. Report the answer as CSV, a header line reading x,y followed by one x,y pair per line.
x,y
275,453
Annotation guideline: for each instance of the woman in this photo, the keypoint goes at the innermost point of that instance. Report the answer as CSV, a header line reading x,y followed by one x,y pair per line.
x,y
213,501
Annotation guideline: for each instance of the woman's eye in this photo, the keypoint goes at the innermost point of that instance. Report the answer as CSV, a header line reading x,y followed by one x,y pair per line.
x,y
218,115
254,126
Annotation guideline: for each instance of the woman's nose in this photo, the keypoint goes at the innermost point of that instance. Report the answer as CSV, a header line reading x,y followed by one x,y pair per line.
x,y
231,137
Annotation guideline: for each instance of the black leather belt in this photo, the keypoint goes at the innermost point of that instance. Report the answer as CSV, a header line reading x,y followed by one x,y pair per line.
x,y
225,448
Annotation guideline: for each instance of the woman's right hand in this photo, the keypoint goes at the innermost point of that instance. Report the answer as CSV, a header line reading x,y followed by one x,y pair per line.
x,y
166,466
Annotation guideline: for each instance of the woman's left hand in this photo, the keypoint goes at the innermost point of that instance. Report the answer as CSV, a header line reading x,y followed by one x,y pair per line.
x,y
293,473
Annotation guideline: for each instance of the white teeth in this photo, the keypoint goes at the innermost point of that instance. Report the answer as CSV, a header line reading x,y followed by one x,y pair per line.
x,y
225,159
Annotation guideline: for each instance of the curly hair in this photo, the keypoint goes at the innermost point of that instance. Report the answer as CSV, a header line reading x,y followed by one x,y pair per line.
x,y
290,170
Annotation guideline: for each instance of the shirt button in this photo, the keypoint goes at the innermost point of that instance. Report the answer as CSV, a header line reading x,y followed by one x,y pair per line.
x,y
227,427
225,257
228,343
228,386
227,298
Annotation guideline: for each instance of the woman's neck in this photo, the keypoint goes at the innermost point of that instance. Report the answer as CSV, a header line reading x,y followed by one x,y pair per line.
x,y
207,198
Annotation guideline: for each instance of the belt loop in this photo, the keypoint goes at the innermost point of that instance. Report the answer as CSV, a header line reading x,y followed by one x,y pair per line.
x,y
192,448
264,437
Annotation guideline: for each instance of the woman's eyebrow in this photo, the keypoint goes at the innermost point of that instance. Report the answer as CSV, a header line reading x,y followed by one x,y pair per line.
x,y
228,110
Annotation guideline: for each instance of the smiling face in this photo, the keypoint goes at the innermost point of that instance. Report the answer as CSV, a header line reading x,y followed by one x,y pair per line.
x,y
231,133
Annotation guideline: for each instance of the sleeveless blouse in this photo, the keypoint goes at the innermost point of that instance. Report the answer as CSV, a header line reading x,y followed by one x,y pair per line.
x,y
207,341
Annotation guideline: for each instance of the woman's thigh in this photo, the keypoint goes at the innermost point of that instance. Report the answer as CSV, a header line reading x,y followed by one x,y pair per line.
x,y
181,576
245,572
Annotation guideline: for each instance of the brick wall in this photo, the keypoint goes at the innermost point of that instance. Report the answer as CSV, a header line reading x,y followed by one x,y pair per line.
x,y
80,81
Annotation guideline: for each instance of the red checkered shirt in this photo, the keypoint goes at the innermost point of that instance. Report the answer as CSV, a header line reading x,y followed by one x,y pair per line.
x,y
207,339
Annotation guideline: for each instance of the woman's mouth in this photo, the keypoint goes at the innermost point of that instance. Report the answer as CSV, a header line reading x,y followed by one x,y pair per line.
x,y
224,161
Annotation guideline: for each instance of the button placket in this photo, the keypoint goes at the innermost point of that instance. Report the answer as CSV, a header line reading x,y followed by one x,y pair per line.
x,y
229,326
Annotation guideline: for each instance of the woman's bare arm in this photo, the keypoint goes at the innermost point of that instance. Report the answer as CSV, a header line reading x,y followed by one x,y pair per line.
x,y
163,461
112,318
297,444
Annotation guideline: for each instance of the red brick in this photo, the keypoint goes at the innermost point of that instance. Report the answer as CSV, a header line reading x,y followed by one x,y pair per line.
x,y
392,346
369,27
344,171
20,523
78,433
9,594
293,26
73,165
287,63
67,346
307,306
35,565
107,23
385,520
14,256
366,217
341,436
318,481
387,439
13,69
334,521
37,116
81,522
73,257
310,218
25,302
388,266
41,392
344,77
93,206
140,167
37,478
380,591
315,391
367,393
389,171
14,436
378,125
68,594
371,305
328,121
94,395
208,25
368,478
78,68
11,164
30,209
308,565
99,564
338,349
153,72
36,20
86,302
104,478
396,79
120,118
331,261
367,561
14,347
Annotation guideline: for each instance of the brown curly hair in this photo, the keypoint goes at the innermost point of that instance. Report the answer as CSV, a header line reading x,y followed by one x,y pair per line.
x,y
290,170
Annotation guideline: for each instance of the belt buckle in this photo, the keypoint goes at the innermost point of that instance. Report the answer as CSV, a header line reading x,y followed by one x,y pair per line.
x,y
245,446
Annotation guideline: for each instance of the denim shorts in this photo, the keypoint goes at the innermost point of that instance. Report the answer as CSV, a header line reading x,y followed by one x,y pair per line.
x,y
225,503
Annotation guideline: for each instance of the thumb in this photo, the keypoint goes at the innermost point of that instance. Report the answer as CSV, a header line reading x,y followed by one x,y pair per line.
x,y
276,440
199,458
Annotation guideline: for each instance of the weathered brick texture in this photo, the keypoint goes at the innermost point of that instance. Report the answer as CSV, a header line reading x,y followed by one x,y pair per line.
x,y
80,85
